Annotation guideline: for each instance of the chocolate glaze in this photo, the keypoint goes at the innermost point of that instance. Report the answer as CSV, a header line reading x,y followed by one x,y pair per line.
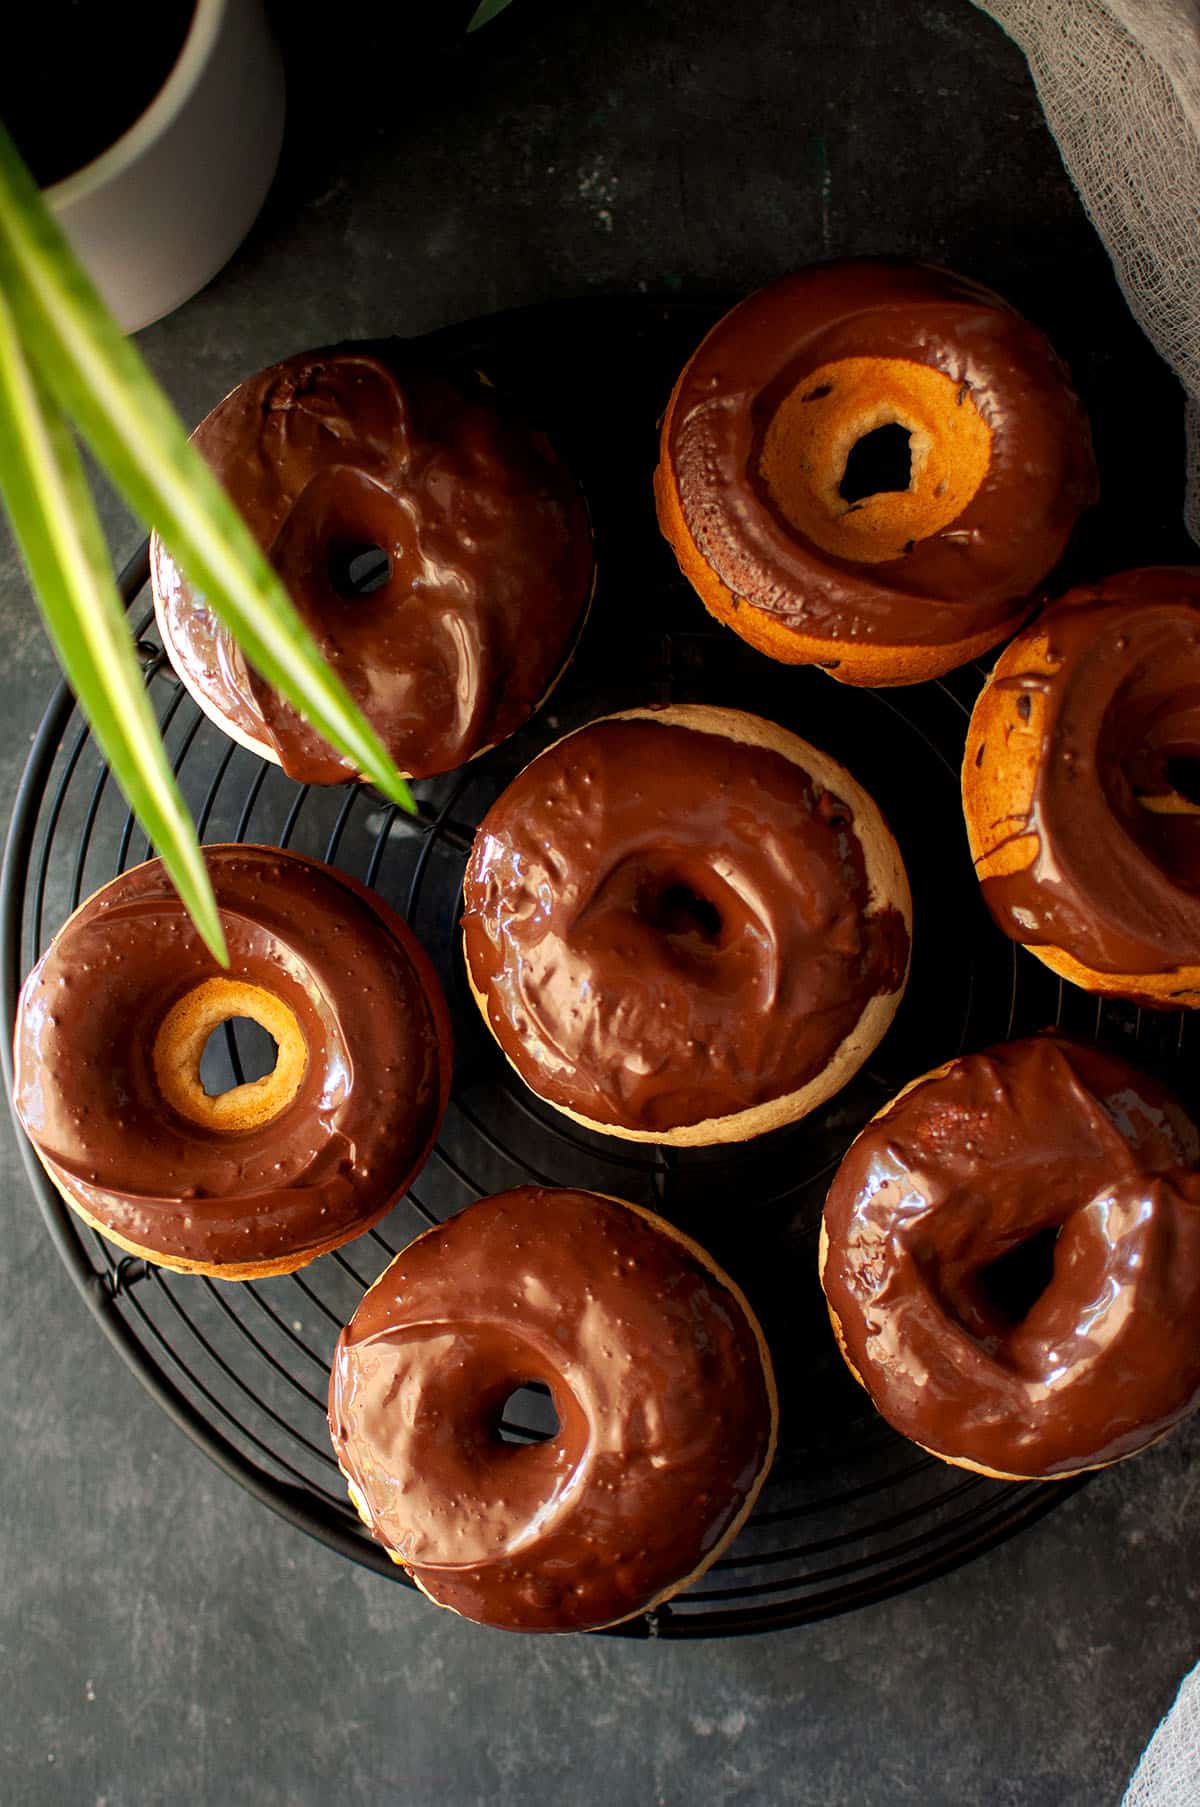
x,y
331,1162
669,926
970,577
487,534
1112,882
659,1383
1034,1136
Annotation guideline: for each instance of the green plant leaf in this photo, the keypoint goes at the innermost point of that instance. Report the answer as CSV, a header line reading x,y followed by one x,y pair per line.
x,y
485,12
45,491
102,382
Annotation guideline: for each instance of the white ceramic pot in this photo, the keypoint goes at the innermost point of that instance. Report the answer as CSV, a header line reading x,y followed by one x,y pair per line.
x,y
157,214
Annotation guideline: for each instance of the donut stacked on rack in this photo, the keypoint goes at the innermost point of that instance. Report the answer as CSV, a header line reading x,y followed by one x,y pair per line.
x,y
660,1380
1081,787
871,467
684,926
432,539
112,1025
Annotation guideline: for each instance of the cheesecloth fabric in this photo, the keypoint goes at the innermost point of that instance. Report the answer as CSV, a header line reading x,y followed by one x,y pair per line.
x,y
1119,81
1169,1772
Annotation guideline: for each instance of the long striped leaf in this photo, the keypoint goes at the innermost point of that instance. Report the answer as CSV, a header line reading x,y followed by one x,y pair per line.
x,y
485,12
103,384
45,491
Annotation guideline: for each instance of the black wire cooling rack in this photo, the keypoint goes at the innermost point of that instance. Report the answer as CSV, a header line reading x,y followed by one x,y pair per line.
x,y
850,1513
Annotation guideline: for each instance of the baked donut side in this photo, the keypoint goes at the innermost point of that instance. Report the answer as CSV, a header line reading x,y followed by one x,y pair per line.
x,y
482,574
867,665
660,914
966,1166
1086,847
660,1378
903,576
259,1180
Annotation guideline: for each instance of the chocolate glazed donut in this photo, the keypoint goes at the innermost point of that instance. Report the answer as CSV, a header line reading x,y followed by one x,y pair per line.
x,y
972,1171
479,532
685,925
111,1025
660,1381
818,541
1081,787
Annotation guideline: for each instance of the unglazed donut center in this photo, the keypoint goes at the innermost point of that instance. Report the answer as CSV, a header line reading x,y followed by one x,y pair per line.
x,y
180,1042
810,440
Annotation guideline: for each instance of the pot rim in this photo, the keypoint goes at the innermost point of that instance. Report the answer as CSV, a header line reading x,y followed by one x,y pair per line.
x,y
149,126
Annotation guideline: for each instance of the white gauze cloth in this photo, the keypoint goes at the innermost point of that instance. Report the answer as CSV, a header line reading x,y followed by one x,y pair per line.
x,y
1169,1772
1119,81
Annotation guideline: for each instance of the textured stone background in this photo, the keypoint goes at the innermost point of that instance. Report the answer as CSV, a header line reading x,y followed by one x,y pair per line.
x,y
164,1637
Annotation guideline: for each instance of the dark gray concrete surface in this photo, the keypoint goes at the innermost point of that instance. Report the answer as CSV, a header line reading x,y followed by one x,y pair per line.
x,y
164,1638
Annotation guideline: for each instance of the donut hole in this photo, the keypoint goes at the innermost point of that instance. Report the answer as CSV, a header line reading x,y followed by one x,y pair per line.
x,y
1151,777
357,568
1013,1284
1183,776
675,908
528,1415
879,462
239,1043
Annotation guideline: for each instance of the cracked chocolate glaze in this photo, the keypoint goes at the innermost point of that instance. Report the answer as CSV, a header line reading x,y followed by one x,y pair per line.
x,y
671,926
659,1380
1032,1137
485,529
332,1161
978,571
1114,877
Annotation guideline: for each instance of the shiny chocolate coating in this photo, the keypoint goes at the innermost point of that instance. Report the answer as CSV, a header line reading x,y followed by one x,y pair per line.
x,y
671,926
659,1381
1031,1137
1114,880
485,529
973,575
332,1161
